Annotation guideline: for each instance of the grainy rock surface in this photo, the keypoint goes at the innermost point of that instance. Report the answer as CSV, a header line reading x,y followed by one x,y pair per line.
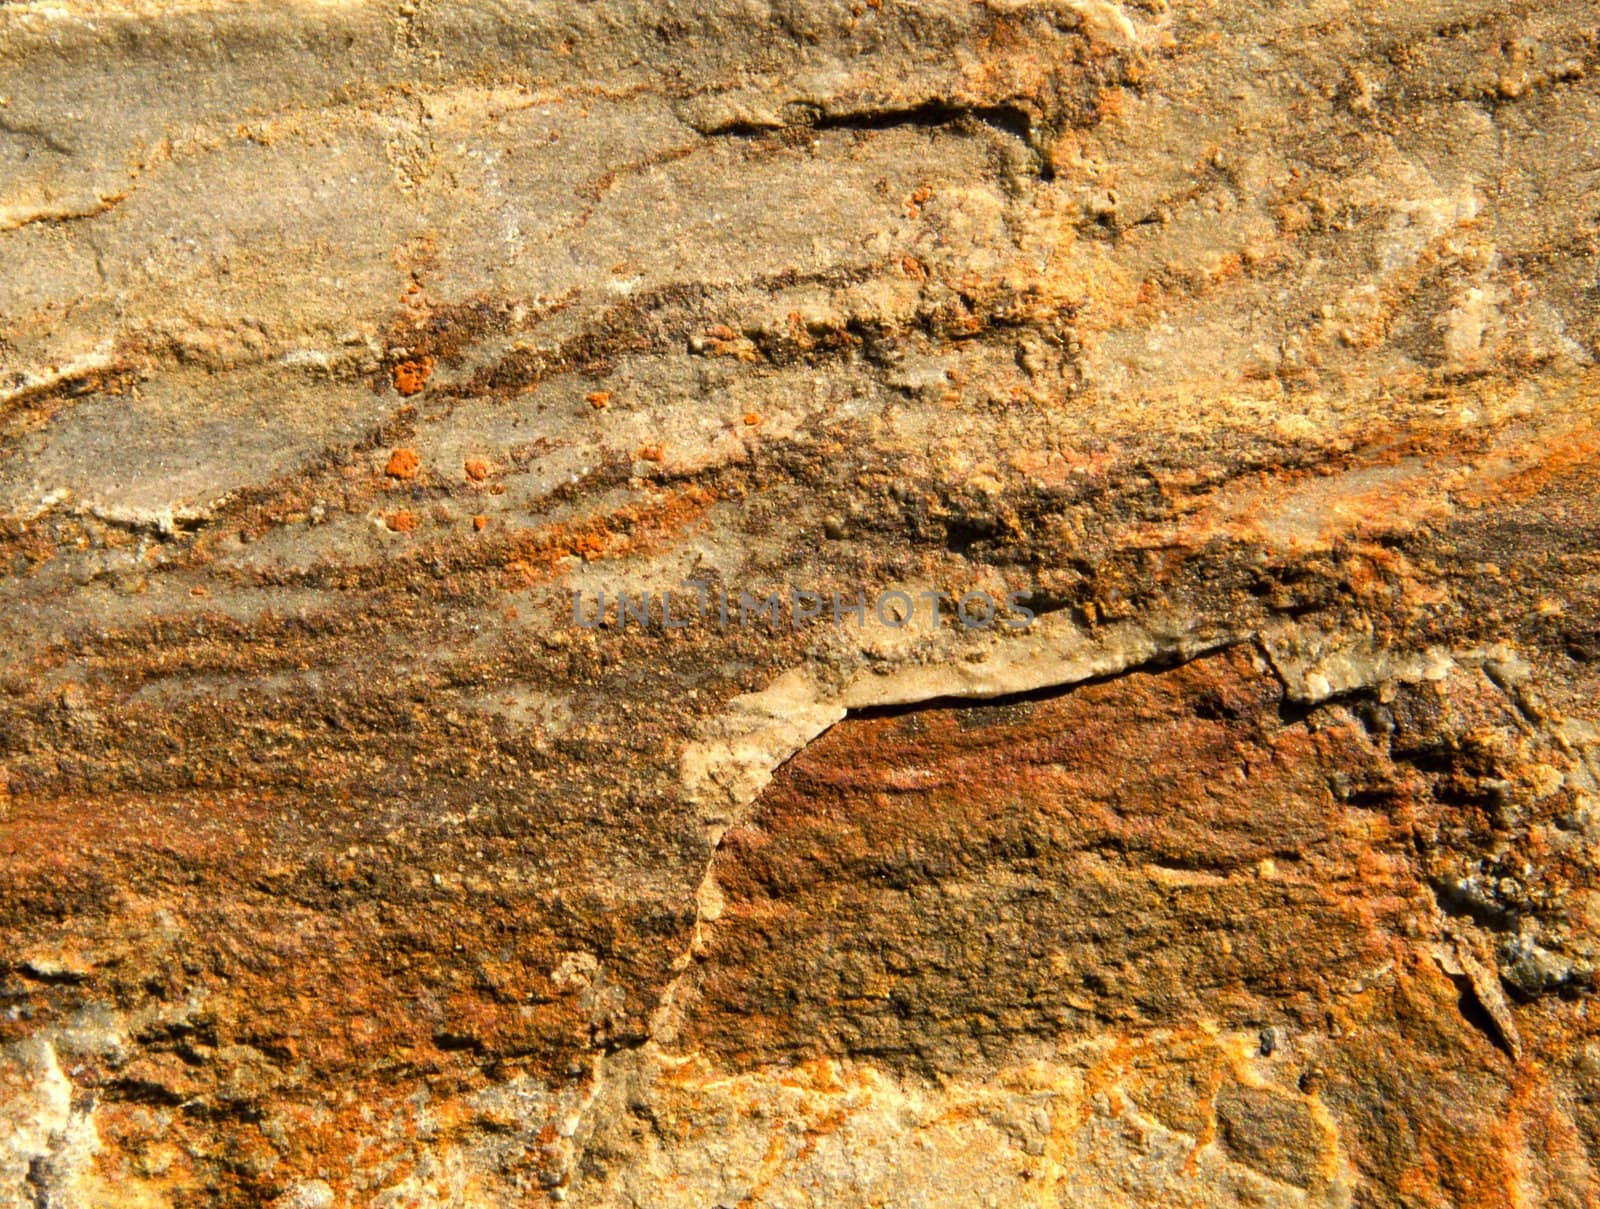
x,y
1254,345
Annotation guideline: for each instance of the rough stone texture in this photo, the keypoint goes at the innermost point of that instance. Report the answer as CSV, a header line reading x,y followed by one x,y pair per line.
x,y
1255,343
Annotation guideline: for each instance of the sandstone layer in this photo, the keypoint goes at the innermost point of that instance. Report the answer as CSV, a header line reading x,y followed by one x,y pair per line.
x,y
1252,346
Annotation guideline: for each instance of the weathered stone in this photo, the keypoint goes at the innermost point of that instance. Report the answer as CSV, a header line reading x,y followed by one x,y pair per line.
x,y
1253,347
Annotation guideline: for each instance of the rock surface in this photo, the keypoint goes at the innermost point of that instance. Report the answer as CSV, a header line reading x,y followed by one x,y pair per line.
x,y
1253,346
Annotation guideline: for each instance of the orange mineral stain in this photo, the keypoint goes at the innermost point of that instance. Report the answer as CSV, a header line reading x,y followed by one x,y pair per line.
x,y
477,469
403,464
589,545
401,521
537,554
411,376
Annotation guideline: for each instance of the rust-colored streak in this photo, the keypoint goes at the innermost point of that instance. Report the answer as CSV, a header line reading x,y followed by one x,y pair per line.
x,y
535,556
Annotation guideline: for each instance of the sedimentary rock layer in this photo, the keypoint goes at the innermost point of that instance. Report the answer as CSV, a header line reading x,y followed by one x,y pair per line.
x,y
1252,347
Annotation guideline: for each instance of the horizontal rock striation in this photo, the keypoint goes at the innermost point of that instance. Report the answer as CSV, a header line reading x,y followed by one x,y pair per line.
x,y
1251,347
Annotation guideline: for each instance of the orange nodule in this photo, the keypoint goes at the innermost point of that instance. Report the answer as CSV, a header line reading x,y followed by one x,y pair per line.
x,y
478,522
651,453
598,398
403,464
477,469
402,521
411,376
751,418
